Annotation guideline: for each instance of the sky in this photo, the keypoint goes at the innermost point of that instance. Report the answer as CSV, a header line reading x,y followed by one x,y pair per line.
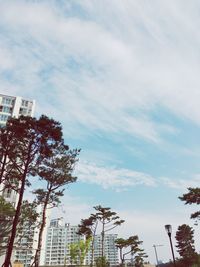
x,y
122,76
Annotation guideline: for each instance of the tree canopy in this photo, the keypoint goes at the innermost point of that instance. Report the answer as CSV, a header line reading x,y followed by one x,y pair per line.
x,y
130,246
185,244
192,197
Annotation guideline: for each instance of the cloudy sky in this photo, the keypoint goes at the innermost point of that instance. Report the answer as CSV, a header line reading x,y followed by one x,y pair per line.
x,y
122,76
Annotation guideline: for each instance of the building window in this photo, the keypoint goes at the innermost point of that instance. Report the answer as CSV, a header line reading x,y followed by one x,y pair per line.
x,y
5,109
7,193
24,103
3,117
7,101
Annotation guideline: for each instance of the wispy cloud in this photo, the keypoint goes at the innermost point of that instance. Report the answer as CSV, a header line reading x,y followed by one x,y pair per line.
x,y
112,177
182,184
121,179
103,66
115,69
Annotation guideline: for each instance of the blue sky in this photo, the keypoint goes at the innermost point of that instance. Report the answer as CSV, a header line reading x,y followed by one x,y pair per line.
x,y
123,78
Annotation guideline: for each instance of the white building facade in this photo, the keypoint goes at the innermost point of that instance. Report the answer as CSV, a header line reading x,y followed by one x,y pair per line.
x,y
13,106
26,248
110,250
59,237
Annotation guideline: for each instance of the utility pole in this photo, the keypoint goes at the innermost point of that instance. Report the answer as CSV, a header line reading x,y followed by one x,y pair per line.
x,y
155,246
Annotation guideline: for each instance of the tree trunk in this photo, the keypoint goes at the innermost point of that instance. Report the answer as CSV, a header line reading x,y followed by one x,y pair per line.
x,y
36,260
7,261
102,241
93,239
92,260
4,160
121,256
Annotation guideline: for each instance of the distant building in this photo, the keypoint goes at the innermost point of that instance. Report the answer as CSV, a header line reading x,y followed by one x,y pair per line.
x,y
27,245
59,237
110,250
24,252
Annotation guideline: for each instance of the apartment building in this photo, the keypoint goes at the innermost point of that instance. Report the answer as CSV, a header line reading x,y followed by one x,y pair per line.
x,y
13,106
59,237
24,252
27,245
110,250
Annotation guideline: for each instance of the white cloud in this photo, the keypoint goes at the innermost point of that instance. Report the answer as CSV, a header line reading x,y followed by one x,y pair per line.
x,y
73,209
182,184
112,177
6,62
121,179
126,57
107,66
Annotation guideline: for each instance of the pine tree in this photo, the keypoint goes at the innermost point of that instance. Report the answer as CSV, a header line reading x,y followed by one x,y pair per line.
x,y
32,141
130,246
55,173
185,244
109,220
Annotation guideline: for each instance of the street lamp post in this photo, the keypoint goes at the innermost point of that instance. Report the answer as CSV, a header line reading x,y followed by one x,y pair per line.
x,y
168,229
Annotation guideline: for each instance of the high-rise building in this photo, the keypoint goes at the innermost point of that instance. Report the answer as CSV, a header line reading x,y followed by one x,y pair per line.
x,y
55,242
59,237
27,245
110,250
24,251
14,106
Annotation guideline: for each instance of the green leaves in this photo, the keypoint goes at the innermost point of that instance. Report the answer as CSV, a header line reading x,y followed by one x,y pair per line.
x,y
6,217
79,250
102,262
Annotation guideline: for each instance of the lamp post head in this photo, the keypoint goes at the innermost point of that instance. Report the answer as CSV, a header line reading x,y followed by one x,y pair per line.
x,y
168,229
